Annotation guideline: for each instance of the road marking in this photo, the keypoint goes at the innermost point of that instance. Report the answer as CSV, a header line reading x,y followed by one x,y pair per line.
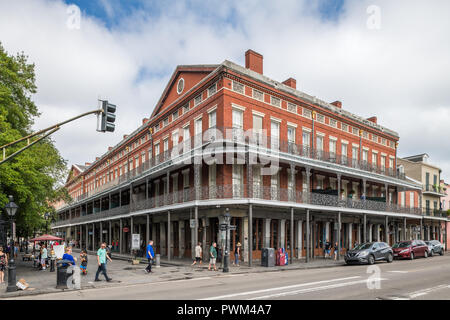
x,y
423,292
308,290
279,288
398,271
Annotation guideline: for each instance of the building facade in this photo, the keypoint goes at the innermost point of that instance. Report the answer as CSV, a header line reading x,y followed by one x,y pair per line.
x,y
292,171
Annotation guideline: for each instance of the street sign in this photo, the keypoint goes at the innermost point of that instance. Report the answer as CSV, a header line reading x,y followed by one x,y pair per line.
x,y
223,227
135,241
126,229
192,223
233,227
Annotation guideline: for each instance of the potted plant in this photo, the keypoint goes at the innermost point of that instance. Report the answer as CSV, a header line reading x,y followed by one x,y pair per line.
x,y
135,260
351,193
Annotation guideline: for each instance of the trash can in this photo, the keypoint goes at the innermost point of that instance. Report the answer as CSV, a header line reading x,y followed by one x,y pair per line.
x,y
268,257
62,275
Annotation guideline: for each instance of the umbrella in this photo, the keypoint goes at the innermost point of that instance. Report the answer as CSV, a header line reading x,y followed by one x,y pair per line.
x,y
46,237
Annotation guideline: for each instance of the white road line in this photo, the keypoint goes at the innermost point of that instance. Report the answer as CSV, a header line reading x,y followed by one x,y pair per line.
x,y
307,290
398,271
279,288
423,292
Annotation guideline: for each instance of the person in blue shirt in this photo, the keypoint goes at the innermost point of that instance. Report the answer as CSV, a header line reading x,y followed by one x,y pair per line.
x,y
150,256
101,260
68,256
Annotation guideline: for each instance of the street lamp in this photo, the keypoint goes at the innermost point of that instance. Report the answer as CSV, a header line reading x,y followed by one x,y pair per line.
x,y
11,209
226,261
46,217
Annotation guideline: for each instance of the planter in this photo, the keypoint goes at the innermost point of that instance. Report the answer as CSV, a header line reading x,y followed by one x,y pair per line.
x,y
135,262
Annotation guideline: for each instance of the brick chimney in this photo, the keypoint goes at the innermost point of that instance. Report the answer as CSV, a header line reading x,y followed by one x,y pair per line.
x,y
337,104
373,119
254,61
291,82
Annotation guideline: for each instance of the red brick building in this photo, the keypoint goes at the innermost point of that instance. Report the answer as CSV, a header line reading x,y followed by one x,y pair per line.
x,y
292,171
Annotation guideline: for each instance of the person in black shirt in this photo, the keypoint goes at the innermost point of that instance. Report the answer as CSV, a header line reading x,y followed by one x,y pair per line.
x,y
327,249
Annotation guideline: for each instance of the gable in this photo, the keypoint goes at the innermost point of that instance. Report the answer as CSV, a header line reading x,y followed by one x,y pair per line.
x,y
191,75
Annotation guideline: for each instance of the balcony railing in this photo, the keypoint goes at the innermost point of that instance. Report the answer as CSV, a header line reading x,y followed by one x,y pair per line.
x,y
237,192
225,138
434,188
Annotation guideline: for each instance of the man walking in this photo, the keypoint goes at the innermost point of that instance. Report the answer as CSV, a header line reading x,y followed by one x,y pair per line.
x,y
101,259
150,255
198,254
212,256
327,249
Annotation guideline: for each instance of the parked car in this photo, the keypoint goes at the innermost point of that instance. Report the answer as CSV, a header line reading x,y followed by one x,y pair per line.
x,y
435,247
369,253
410,249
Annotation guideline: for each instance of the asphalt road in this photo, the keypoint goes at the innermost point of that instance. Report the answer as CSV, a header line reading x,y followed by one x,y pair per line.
x,y
418,279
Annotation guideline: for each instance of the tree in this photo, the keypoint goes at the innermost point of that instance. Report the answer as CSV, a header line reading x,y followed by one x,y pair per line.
x,y
33,176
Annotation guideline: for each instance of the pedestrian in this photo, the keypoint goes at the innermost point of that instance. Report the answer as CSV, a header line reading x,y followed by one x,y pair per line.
x,y
68,256
237,254
3,265
150,254
212,256
44,256
327,249
198,254
83,261
336,249
101,260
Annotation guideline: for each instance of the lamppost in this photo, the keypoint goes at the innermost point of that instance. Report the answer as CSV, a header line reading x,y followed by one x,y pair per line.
x,y
11,209
226,261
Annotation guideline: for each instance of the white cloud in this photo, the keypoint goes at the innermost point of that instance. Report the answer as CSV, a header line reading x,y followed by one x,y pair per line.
x,y
399,73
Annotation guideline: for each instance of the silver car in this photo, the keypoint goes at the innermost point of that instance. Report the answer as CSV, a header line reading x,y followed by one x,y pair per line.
x,y
435,247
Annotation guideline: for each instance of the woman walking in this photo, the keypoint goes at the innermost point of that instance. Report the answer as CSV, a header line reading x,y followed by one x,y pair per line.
x,y
3,265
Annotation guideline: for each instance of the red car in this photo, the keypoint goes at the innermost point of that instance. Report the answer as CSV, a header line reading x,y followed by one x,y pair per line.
x,y
410,249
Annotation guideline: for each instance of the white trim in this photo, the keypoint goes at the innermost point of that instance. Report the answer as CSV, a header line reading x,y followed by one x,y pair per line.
x,y
375,151
290,124
211,109
187,124
259,114
235,106
365,148
320,134
355,145
344,141
383,154
306,129
177,130
275,119
391,157
333,138
165,137
198,117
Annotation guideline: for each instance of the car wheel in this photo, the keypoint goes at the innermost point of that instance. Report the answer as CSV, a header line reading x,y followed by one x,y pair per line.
x,y
411,256
371,259
441,252
425,254
431,253
390,258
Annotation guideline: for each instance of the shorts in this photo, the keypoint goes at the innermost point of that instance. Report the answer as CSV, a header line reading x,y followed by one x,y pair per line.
x,y
43,261
2,267
212,260
198,259
327,251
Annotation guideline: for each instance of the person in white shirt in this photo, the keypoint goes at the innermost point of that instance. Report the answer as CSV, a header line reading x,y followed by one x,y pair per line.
x,y
198,254
44,256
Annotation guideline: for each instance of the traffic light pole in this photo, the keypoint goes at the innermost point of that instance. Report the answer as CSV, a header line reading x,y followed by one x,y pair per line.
x,y
53,129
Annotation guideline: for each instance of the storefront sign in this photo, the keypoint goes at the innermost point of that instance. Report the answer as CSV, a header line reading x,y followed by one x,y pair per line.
x,y
135,241
126,229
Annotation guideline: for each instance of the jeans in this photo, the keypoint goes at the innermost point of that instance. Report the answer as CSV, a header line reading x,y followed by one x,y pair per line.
x,y
149,267
236,259
102,269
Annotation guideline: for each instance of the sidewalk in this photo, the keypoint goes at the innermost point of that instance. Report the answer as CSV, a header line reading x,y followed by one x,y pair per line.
x,y
124,273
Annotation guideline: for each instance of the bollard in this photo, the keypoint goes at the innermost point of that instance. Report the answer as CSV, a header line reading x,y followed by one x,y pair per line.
x,y
158,260
52,264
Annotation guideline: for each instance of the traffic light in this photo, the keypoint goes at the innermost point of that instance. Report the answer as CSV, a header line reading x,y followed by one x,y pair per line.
x,y
108,117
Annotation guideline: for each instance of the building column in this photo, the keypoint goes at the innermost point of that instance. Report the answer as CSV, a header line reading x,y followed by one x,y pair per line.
x,y
327,230
162,238
147,229
294,193
204,220
282,232
245,226
386,231
109,232
359,233
370,232
195,229
291,227
120,236
250,235
169,236
338,178
339,235
81,237
421,229
266,233
308,184
181,234
87,236
307,235
93,237
299,238
197,182
365,228
101,232
404,229
350,235
378,227
153,232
